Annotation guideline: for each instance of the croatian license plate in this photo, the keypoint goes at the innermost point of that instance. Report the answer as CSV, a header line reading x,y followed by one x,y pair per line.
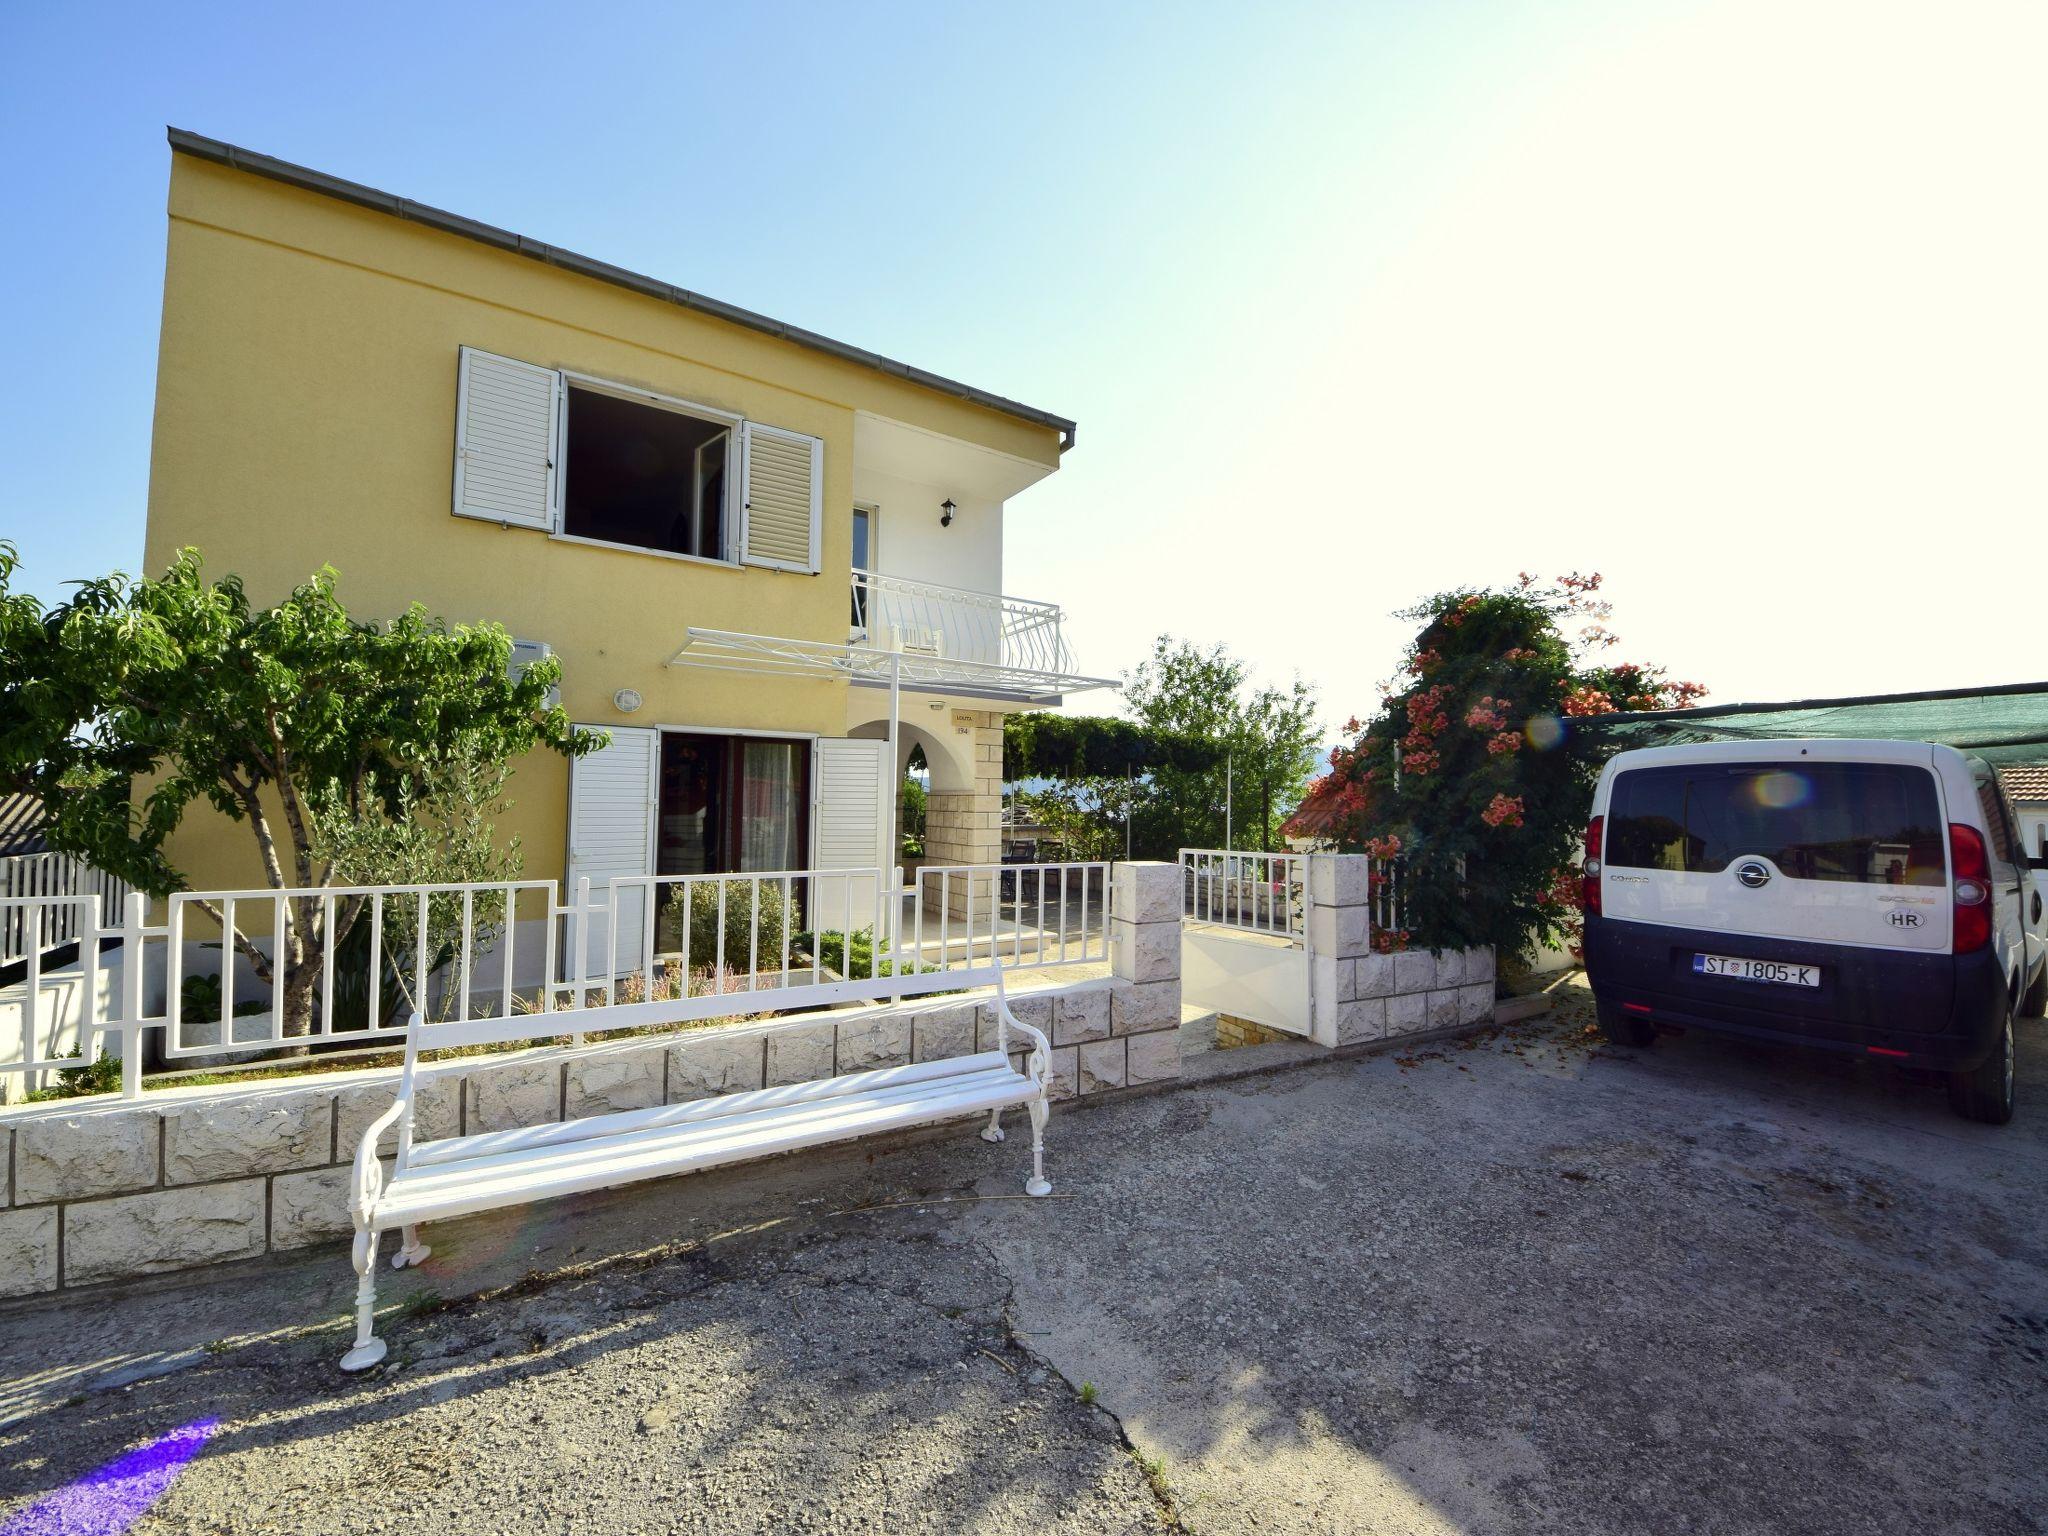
x,y
1778,971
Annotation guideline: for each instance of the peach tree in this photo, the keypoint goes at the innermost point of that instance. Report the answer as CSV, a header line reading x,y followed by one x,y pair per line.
x,y
134,700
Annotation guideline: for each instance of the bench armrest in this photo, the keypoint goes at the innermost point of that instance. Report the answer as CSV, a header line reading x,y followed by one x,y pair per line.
x,y
368,1182
1040,1059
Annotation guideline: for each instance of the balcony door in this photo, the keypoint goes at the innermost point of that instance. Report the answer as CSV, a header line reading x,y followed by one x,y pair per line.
x,y
865,521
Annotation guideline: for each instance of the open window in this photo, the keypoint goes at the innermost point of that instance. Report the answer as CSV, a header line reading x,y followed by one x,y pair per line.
x,y
589,459
651,476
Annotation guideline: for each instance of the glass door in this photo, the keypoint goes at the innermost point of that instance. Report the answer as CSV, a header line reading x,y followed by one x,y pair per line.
x,y
863,560
770,810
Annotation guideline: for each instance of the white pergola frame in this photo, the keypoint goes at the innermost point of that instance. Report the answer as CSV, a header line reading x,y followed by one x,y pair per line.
x,y
727,650
733,651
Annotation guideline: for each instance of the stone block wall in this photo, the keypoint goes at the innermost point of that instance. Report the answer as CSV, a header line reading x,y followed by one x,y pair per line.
x,y
103,1189
1360,995
1233,1034
966,826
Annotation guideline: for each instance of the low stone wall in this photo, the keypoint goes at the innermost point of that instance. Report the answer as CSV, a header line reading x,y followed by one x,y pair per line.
x,y
102,1189
1359,994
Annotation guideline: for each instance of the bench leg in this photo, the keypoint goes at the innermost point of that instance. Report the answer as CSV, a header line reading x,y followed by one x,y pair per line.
x,y
1038,1184
369,1349
411,1251
993,1131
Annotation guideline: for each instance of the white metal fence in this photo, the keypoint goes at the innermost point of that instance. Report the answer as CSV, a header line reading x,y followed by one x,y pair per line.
x,y
212,980
29,921
1383,895
1253,892
1024,915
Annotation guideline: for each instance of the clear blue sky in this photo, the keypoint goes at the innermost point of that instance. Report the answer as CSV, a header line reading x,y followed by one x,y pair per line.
x,y
1352,302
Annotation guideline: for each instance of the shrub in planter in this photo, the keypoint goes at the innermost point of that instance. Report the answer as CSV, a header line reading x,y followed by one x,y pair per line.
x,y
700,947
854,960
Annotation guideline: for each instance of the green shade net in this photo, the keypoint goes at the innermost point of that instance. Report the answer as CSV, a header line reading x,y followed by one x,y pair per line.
x,y
2007,724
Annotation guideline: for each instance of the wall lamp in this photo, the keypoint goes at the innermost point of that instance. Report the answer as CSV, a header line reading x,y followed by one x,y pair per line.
x,y
946,511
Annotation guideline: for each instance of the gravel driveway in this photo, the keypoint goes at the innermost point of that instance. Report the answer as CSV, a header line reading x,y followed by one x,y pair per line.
x,y
1519,1284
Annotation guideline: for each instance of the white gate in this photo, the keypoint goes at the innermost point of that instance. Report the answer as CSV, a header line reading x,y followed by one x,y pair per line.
x,y
1244,936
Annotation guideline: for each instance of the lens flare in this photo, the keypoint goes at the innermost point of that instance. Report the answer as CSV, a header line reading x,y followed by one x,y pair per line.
x,y
109,1499
1780,791
1544,732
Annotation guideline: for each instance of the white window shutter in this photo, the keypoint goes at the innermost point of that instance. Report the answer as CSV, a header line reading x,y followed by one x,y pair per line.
x,y
784,479
506,415
612,794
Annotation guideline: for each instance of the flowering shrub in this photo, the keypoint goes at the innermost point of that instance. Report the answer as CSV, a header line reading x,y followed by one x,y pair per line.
x,y
1471,774
1503,811
1489,714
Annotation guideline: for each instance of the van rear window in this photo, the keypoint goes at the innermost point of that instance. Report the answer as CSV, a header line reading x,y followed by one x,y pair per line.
x,y
1870,823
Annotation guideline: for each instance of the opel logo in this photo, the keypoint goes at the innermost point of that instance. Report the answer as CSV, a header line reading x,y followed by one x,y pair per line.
x,y
1753,875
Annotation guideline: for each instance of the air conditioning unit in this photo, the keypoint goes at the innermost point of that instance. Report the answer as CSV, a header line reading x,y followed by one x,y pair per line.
x,y
524,654
920,640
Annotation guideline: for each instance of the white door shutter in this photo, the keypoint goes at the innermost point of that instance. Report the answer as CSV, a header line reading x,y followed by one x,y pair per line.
x,y
852,805
850,819
505,422
785,475
612,794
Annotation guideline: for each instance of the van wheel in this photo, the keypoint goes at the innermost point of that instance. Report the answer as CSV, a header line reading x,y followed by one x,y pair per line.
x,y
1985,1093
2035,1003
1625,1028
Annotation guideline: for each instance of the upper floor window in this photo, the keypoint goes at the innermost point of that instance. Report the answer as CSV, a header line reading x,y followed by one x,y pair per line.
x,y
539,448
644,475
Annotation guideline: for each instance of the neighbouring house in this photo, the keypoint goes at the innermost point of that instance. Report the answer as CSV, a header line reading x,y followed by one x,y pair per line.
x,y
762,555
21,825
2027,783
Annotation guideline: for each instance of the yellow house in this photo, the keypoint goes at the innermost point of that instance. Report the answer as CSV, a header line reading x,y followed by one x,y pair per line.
x,y
762,555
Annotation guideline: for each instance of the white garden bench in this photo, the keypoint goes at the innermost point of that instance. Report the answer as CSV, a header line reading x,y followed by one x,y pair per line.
x,y
460,1175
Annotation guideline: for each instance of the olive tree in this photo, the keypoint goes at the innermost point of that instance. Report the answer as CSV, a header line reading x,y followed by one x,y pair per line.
x,y
135,699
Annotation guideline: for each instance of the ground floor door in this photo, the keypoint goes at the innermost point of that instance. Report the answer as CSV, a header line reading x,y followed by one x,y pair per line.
x,y
658,804
732,804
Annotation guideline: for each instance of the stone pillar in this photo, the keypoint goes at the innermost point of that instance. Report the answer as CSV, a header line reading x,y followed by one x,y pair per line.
x,y
1339,936
966,826
1143,1042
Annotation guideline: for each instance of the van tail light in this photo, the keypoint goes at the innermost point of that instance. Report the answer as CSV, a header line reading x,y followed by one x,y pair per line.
x,y
1970,887
1589,884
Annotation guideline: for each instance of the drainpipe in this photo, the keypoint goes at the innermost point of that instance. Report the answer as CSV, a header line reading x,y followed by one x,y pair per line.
x,y
895,772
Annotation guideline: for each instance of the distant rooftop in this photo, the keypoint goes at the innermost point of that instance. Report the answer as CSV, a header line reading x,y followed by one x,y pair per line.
x,y
21,825
203,148
2026,781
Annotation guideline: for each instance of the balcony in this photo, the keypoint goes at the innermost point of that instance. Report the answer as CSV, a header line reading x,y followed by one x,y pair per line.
x,y
935,623
924,635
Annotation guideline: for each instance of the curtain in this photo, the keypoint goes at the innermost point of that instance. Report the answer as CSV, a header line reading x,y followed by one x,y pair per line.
x,y
768,808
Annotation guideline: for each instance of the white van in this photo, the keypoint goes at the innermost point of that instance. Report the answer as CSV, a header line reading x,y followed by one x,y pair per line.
x,y
1867,896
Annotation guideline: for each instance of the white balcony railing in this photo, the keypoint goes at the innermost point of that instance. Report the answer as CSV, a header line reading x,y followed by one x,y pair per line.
x,y
917,633
952,624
